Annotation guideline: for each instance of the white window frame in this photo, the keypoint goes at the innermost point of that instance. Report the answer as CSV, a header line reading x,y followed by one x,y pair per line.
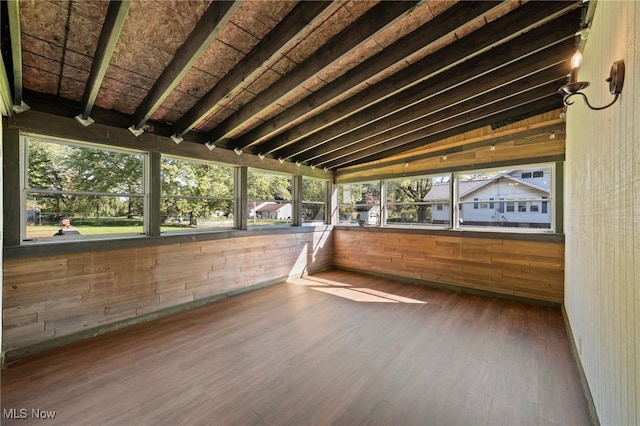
x,y
552,197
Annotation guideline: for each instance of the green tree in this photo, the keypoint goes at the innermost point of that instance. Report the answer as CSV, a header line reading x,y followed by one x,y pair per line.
x,y
412,190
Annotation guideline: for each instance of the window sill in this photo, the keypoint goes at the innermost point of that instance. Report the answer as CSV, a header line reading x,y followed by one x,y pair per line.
x,y
489,234
140,241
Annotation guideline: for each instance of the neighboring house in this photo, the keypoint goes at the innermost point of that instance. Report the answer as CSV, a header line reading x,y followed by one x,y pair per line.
x,y
515,198
271,210
368,214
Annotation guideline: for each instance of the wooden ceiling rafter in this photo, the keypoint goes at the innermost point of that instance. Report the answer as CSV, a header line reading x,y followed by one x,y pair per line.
x,y
541,99
400,50
495,33
217,15
13,9
295,21
418,129
454,87
116,14
326,84
362,30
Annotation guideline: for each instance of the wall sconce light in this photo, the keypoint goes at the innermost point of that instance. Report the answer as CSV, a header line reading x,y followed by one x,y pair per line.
x,y
574,87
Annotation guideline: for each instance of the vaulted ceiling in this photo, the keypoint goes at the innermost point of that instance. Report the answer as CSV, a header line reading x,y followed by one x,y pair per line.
x,y
330,84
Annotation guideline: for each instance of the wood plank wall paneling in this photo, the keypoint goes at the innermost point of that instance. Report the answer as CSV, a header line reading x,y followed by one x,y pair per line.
x,y
529,269
50,297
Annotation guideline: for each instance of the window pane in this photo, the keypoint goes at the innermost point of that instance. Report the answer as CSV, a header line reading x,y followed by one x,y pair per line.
x,y
359,203
55,166
313,200
269,199
74,190
520,192
422,200
195,195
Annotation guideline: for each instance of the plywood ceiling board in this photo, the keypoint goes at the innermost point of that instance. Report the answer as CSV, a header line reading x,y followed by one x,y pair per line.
x,y
40,80
197,82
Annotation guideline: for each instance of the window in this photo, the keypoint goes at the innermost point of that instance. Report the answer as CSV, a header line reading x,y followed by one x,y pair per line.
x,y
195,195
519,195
411,201
313,201
269,200
99,191
359,203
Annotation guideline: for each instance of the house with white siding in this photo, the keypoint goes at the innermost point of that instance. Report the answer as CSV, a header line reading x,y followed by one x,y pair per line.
x,y
513,198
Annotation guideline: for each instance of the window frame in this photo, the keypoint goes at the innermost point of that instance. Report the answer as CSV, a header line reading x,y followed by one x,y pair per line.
x,y
546,204
292,201
323,203
516,203
435,204
25,189
230,198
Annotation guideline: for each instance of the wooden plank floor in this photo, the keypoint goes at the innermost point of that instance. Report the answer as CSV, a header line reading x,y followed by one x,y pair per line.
x,y
335,348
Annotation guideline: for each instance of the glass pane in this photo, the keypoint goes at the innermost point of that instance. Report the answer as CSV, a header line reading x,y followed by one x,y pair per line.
x,y
262,186
507,198
195,214
188,178
54,166
359,203
269,199
87,215
269,213
313,190
313,200
420,200
313,212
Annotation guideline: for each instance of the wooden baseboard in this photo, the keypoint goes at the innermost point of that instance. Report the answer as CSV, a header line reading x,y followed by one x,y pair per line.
x,y
584,384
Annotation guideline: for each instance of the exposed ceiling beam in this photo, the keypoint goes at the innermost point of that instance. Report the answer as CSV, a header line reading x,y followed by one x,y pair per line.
x,y
111,28
527,133
539,99
404,114
466,100
450,20
205,31
296,20
6,103
13,9
360,31
500,31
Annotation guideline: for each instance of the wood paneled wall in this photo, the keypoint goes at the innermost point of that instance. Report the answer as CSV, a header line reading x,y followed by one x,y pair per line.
x,y
49,297
529,269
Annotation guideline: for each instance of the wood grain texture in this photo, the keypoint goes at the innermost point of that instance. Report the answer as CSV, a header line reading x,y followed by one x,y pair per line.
x,y
292,354
530,269
50,297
